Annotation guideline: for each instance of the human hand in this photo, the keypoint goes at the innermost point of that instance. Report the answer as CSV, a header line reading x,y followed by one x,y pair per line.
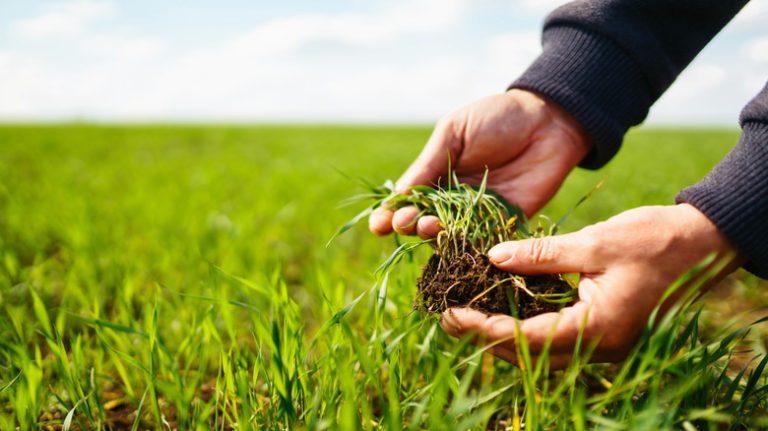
x,y
626,264
528,143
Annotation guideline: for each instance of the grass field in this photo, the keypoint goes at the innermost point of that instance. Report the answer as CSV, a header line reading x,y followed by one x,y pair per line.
x,y
177,277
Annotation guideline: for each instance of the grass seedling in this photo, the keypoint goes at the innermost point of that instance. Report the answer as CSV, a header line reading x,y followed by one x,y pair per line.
x,y
459,273
211,232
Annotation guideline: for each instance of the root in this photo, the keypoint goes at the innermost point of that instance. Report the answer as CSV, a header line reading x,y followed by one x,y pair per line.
x,y
469,279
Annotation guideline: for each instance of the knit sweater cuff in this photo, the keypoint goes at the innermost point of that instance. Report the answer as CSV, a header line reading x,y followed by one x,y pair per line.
x,y
595,81
734,196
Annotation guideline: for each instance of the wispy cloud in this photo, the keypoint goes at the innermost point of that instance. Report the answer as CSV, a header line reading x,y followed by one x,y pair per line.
x,y
398,60
755,13
64,19
757,49
268,71
698,79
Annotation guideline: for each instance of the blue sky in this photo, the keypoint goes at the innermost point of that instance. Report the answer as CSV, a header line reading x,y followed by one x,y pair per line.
x,y
338,61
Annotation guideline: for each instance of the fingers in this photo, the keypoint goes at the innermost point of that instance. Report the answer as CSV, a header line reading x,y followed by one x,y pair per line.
x,y
380,221
404,220
496,328
428,167
383,221
428,227
555,361
572,252
559,331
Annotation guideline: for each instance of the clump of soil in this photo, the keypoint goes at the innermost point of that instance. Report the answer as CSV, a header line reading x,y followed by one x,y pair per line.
x,y
470,280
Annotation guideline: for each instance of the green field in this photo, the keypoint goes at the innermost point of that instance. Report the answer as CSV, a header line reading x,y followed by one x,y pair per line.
x,y
177,277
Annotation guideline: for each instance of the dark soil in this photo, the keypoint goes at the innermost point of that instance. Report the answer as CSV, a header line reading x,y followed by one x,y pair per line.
x,y
468,279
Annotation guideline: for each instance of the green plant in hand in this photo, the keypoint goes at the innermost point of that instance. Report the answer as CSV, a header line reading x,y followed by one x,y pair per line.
x,y
459,273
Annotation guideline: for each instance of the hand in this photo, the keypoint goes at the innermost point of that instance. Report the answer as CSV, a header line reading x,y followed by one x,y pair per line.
x,y
626,264
528,143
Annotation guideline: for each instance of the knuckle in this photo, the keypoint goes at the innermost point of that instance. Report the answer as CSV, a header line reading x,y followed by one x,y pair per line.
x,y
591,246
451,324
542,251
446,123
456,329
591,241
493,328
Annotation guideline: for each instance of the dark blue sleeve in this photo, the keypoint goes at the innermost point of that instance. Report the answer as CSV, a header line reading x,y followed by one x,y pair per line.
x,y
607,61
735,194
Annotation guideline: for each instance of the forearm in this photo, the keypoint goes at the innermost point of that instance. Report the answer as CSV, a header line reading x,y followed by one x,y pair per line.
x,y
607,61
735,194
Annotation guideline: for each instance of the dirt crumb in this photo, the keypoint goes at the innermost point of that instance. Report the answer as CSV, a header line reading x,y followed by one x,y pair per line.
x,y
471,280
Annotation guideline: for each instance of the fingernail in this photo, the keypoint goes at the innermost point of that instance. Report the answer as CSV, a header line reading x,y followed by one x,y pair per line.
x,y
377,217
499,253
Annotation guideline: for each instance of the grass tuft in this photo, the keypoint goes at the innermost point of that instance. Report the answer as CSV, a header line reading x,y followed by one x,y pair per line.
x,y
207,240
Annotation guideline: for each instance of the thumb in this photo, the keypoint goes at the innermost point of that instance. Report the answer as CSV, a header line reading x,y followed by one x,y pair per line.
x,y
571,252
432,162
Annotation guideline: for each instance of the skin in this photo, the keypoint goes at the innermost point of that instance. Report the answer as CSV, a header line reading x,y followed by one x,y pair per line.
x,y
528,143
626,263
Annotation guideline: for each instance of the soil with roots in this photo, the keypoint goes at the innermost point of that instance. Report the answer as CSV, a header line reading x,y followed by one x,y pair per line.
x,y
470,280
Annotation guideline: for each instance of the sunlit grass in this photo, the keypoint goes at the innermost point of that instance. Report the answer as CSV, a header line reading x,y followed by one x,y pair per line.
x,y
155,277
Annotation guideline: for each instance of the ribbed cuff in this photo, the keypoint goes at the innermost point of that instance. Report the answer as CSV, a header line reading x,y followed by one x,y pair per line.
x,y
595,81
735,196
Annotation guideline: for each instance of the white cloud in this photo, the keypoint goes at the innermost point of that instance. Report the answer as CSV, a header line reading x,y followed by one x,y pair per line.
x,y
264,72
64,19
696,81
543,5
757,50
354,29
755,13
403,60
513,52
23,84
708,94
503,57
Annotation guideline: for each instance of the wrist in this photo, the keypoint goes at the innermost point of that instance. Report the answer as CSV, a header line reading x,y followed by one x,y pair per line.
x,y
576,142
697,229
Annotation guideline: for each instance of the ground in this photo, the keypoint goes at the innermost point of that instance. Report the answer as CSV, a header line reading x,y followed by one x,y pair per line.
x,y
177,276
